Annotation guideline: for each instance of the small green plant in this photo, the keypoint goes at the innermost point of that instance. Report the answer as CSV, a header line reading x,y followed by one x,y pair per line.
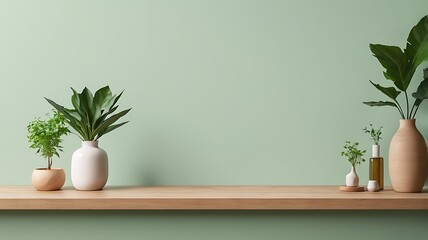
x,y
374,134
353,154
400,66
45,135
90,113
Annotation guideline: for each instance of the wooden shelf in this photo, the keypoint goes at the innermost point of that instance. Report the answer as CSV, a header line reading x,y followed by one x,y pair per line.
x,y
209,198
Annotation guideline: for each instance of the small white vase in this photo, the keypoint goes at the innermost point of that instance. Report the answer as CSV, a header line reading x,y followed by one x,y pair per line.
x,y
352,179
89,167
373,186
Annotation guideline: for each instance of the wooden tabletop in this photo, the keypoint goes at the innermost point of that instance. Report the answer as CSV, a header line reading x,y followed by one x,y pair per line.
x,y
209,198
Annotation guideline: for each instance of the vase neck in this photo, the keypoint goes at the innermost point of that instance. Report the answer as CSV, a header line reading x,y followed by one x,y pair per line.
x,y
89,143
353,169
407,123
375,151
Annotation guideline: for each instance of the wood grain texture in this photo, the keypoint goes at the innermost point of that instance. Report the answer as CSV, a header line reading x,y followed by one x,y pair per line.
x,y
209,198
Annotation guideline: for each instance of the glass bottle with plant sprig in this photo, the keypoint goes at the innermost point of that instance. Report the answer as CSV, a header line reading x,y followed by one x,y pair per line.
x,y
376,171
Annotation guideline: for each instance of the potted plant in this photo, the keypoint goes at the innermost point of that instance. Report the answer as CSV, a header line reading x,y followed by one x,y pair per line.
x,y
45,136
408,156
91,117
355,157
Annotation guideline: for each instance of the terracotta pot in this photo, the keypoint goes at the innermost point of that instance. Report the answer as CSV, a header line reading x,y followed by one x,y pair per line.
x,y
89,167
408,158
48,180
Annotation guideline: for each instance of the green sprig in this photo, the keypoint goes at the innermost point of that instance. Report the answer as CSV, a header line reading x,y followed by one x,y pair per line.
x,y
353,154
374,133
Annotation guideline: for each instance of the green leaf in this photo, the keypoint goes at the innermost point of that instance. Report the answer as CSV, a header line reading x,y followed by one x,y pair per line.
x,y
394,61
417,48
380,104
418,102
62,110
111,128
391,92
110,103
72,120
116,99
421,56
417,43
100,97
86,100
110,121
75,100
422,91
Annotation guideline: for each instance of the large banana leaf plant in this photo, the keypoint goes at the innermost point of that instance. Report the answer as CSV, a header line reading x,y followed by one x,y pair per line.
x,y
400,66
90,115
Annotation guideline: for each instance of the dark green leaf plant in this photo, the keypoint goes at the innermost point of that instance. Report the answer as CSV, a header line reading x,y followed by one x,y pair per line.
x,y
374,133
400,66
45,135
353,154
92,114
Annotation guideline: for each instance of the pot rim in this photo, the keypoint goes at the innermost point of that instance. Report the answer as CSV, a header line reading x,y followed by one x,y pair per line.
x,y
46,169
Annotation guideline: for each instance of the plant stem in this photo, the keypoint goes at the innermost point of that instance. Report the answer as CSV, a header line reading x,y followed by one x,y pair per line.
x,y
399,109
411,111
49,163
413,107
414,114
407,103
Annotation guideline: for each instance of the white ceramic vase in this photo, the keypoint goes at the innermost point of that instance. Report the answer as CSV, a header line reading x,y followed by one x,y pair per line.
x,y
352,179
89,167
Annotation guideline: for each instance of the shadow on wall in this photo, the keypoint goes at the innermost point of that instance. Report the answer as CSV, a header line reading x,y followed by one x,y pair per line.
x,y
147,174
161,162
425,189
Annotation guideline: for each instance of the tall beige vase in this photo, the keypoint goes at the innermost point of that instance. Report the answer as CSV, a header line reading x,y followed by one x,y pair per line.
x,y
408,158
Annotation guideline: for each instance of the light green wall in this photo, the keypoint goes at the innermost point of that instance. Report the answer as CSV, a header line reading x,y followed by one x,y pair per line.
x,y
223,92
